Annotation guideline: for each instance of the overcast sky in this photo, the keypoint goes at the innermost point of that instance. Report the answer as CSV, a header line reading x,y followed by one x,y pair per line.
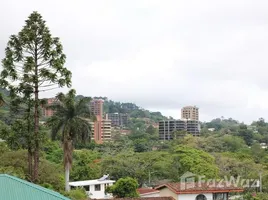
x,y
160,54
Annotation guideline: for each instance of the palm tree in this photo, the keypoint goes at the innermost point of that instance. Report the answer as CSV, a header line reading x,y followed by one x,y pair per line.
x,y
71,119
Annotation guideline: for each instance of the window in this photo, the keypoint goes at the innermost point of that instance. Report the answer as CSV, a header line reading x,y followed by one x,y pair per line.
x,y
87,187
220,196
201,197
97,187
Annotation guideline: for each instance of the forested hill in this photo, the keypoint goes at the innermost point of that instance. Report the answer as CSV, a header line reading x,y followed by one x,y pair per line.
x,y
111,106
132,109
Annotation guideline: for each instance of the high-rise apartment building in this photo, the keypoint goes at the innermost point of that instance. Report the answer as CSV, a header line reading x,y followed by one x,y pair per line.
x,y
101,130
168,127
101,127
119,119
47,112
190,113
96,107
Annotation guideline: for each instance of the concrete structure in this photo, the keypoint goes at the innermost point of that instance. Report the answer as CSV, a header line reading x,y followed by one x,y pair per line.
x,y
119,119
167,127
101,127
148,192
101,130
96,107
95,189
46,111
197,191
190,113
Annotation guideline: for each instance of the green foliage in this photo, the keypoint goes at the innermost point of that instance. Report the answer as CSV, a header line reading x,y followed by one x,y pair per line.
x,y
86,165
194,161
124,188
15,163
76,194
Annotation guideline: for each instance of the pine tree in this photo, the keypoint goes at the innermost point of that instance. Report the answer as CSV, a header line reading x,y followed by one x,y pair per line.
x,y
33,63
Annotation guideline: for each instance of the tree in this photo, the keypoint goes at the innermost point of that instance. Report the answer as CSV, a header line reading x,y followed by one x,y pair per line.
x,y
124,187
71,119
34,62
2,101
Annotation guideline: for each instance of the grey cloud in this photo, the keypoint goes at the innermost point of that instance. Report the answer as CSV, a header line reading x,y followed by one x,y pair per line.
x,y
160,55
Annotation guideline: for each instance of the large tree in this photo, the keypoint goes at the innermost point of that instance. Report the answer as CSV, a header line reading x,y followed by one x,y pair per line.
x,y
71,118
34,62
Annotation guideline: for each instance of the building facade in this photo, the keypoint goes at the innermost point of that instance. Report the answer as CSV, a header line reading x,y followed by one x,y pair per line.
x,y
167,128
96,107
190,113
95,189
101,130
102,126
118,119
47,112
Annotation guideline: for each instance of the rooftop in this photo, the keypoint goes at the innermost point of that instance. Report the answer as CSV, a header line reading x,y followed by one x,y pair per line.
x,y
12,188
147,190
90,182
144,198
191,188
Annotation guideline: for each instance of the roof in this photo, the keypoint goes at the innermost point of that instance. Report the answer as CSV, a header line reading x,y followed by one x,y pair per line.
x,y
143,198
13,188
147,191
192,188
90,182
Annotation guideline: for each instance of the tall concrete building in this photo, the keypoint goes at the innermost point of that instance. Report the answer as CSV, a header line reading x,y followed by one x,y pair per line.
x,y
190,113
101,130
118,119
167,127
47,112
96,107
101,127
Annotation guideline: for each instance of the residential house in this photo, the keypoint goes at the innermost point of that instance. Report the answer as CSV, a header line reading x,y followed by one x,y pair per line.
x,y
148,192
13,188
95,188
197,191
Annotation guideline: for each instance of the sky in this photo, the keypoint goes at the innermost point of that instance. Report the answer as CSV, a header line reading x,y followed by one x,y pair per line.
x,y
160,54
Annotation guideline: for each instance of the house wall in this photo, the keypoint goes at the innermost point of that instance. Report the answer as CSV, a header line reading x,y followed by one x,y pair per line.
x,y
193,196
165,192
98,194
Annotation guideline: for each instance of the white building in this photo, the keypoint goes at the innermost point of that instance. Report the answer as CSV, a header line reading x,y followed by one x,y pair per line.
x,y
94,188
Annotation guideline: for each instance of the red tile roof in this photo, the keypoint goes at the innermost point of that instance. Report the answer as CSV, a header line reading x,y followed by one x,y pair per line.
x,y
143,198
192,188
147,190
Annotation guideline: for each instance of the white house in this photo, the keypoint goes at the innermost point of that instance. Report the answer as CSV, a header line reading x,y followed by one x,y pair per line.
x,y
196,191
95,188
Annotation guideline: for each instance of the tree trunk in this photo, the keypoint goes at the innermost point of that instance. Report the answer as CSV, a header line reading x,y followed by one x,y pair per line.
x,y
36,120
67,177
30,163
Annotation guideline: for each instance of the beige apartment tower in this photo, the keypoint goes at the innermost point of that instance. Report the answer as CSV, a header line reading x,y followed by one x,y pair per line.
x,y
190,113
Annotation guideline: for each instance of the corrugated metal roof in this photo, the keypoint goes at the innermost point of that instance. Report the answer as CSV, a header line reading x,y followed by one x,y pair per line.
x,y
12,188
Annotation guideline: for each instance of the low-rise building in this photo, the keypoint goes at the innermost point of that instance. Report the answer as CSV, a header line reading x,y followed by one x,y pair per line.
x,y
197,191
95,189
148,192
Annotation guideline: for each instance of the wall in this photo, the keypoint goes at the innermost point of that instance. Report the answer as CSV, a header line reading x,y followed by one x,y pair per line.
x,y
193,196
165,192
